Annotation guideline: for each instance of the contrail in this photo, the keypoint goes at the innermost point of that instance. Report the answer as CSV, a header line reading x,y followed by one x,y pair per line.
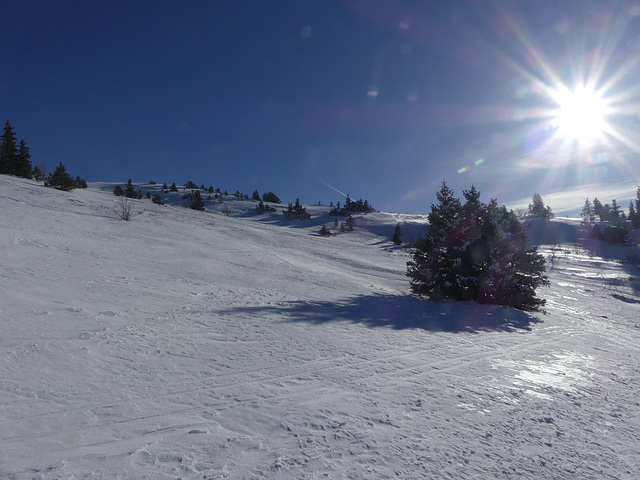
x,y
333,188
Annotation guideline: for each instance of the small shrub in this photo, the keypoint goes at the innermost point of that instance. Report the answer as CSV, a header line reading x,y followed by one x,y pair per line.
x,y
80,182
270,197
123,209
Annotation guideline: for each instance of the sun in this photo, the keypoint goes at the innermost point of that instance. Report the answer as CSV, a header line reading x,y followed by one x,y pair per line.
x,y
581,114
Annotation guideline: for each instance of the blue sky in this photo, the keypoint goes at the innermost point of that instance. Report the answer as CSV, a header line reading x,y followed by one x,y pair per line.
x,y
380,99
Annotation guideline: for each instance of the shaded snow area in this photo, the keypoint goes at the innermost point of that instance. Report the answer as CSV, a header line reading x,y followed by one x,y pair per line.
x,y
193,345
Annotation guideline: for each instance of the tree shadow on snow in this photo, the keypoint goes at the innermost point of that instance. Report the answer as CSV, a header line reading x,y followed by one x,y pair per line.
x,y
403,312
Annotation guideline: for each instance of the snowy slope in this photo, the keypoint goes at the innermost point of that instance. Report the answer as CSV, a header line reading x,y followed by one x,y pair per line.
x,y
190,345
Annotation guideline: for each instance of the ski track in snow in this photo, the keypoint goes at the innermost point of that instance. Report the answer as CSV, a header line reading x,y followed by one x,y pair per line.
x,y
191,345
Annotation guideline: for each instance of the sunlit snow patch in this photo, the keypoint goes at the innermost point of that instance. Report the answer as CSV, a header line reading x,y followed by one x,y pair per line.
x,y
565,371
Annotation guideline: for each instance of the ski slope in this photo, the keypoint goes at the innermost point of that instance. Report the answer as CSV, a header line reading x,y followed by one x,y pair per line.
x,y
192,345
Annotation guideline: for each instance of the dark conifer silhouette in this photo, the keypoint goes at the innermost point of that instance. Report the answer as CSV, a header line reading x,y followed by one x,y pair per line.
x,y
476,252
296,212
537,208
129,191
270,197
196,200
38,174
60,179
350,224
8,150
80,182
23,161
397,235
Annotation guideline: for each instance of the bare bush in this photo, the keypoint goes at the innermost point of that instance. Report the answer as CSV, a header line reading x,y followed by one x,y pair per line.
x,y
123,209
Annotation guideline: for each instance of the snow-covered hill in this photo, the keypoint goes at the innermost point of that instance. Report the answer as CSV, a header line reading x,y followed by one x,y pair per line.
x,y
193,345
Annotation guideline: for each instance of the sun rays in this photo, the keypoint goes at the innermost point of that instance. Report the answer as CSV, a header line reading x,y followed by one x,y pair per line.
x,y
581,116
588,117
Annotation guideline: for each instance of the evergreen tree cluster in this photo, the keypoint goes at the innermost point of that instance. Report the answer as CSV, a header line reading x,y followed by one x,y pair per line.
x,y
270,197
264,207
359,206
296,212
474,251
537,208
614,225
15,159
197,203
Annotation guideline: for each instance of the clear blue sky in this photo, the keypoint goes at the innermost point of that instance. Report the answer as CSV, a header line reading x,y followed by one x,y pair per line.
x,y
381,99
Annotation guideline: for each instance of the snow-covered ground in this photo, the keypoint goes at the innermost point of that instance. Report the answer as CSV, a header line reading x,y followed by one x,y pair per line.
x,y
193,345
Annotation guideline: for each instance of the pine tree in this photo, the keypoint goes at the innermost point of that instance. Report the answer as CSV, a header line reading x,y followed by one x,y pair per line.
x,y
602,211
117,191
445,212
324,231
270,197
173,188
635,221
129,191
537,208
476,252
633,215
350,224
296,212
615,214
255,196
23,161
38,174
80,182
397,234
8,150
196,201
587,213
60,179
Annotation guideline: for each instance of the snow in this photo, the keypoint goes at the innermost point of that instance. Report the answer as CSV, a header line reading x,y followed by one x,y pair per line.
x,y
188,344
